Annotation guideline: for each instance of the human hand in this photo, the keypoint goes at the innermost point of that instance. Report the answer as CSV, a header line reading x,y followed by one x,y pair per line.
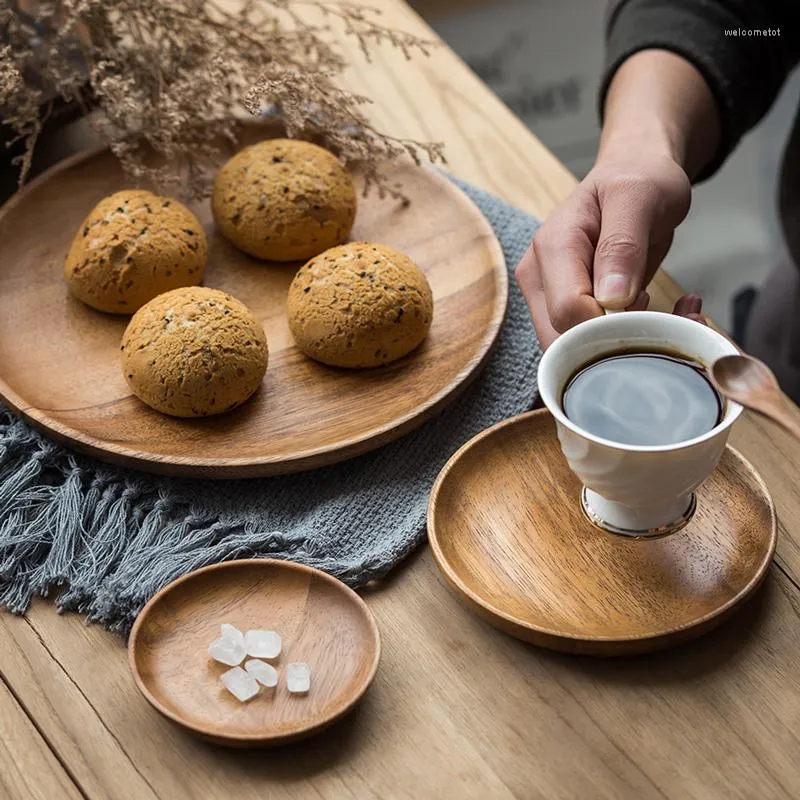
x,y
600,249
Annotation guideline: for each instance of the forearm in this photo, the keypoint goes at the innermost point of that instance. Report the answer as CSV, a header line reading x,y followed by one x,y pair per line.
x,y
659,102
742,72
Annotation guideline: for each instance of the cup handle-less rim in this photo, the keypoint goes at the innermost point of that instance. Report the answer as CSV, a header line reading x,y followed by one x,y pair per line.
x,y
552,403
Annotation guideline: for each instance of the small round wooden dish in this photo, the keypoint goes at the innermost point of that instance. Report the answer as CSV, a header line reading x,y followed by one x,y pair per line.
x,y
507,532
59,360
322,622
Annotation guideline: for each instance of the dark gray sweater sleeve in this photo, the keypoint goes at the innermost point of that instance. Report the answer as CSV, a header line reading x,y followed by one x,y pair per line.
x,y
744,49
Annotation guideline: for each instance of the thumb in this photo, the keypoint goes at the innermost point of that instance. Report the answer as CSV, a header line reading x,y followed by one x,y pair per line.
x,y
620,258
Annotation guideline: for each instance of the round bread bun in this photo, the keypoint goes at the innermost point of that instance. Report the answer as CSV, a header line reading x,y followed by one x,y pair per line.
x,y
133,246
284,200
360,305
194,352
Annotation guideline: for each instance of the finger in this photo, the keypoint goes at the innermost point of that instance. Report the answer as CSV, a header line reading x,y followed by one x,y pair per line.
x,y
656,255
697,318
529,279
688,304
621,257
640,303
565,253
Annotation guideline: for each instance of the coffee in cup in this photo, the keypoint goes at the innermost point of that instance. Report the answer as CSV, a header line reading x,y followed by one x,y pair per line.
x,y
643,397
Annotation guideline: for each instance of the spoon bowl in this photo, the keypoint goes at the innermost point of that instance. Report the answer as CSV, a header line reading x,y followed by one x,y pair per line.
x,y
739,377
752,384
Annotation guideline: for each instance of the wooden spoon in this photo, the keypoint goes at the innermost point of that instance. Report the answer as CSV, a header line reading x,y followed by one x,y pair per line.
x,y
752,384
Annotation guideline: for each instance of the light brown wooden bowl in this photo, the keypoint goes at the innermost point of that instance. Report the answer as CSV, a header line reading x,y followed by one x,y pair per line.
x,y
321,621
59,360
508,533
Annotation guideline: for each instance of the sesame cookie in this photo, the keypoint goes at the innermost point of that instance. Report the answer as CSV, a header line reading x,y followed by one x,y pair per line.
x,y
133,246
194,352
284,200
359,305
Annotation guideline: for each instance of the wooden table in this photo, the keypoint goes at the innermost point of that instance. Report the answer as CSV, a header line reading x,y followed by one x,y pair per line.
x,y
458,710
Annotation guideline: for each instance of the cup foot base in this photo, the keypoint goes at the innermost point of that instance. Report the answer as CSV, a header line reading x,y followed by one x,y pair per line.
x,y
621,521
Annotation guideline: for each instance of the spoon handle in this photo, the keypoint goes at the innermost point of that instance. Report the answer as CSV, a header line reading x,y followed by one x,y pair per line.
x,y
787,415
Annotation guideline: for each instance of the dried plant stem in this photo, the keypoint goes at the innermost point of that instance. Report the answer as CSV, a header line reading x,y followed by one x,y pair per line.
x,y
171,78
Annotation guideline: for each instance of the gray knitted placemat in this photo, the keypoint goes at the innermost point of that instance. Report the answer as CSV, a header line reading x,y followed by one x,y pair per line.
x,y
103,540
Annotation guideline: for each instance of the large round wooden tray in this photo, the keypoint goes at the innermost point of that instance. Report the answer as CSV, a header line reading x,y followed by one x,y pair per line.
x,y
59,360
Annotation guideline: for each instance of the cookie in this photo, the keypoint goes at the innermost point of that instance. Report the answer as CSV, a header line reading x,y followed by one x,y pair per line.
x,y
359,305
133,246
284,200
194,352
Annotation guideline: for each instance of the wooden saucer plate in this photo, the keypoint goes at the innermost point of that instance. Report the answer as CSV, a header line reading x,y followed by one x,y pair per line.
x,y
59,360
508,534
322,622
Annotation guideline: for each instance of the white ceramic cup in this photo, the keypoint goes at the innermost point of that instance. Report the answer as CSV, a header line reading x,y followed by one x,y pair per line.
x,y
633,489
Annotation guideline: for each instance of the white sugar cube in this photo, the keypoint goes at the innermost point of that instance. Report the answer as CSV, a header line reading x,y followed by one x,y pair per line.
x,y
232,633
298,678
262,644
240,684
264,673
226,651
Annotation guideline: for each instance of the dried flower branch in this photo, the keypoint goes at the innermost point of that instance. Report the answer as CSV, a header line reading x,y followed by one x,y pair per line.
x,y
170,77
23,104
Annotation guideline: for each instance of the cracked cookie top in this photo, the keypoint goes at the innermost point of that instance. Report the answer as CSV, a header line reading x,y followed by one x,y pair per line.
x,y
359,305
194,352
284,200
133,246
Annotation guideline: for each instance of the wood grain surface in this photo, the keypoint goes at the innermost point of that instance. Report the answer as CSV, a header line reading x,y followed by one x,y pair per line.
x,y
507,530
59,359
320,620
459,709
28,768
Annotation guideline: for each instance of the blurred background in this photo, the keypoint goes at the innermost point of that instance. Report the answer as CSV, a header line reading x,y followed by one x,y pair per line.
x,y
544,58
